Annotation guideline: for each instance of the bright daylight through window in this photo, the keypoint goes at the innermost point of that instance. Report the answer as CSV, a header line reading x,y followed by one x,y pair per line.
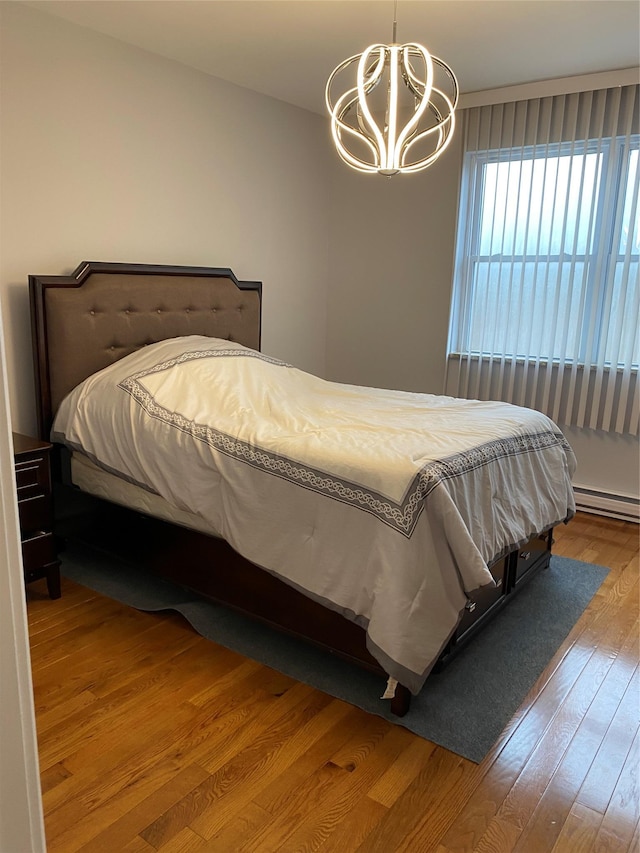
x,y
538,236
546,288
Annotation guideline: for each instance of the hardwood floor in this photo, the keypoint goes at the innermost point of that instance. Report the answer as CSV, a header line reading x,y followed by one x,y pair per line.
x,y
152,738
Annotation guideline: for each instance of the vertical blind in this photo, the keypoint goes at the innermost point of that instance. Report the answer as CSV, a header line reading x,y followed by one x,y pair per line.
x,y
546,298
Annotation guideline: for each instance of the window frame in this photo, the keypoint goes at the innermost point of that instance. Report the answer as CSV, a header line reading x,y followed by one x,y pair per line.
x,y
602,255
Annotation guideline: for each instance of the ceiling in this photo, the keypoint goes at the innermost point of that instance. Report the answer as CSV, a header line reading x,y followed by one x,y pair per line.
x,y
287,48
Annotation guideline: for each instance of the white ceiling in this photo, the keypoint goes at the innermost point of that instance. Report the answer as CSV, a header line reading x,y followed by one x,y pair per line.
x,y
287,48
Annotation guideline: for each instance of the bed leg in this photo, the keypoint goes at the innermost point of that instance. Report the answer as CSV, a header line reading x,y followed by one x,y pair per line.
x,y
401,701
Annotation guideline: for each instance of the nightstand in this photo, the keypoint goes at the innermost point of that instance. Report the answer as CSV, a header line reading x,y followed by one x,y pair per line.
x,y
35,508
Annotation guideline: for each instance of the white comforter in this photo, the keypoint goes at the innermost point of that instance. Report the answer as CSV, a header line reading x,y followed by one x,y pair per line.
x,y
384,505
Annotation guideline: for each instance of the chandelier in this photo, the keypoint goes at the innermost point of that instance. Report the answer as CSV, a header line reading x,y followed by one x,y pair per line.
x,y
398,113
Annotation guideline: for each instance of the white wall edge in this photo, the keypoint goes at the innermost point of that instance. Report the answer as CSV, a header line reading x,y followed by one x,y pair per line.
x,y
21,814
547,88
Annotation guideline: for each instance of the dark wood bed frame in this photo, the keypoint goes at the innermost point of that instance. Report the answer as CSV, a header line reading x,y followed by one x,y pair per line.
x,y
104,311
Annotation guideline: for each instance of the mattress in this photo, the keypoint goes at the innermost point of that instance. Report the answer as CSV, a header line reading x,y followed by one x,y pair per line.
x,y
101,484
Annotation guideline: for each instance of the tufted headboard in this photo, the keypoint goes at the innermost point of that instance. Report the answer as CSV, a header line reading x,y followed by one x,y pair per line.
x,y
104,311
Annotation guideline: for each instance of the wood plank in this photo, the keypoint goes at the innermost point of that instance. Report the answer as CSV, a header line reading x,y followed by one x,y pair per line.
x,y
127,826
164,683
186,841
40,607
87,804
598,787
420,815
635,841
239,831
395,781
205,810
133,766
623,811
50,714
101,671
136,845
81,631
556,803
293,795
345,724
279,797
248,760
53,776
355,827
375,751
169,742
295,805
578,833
547,758
318,735
505,763
499,837
504,767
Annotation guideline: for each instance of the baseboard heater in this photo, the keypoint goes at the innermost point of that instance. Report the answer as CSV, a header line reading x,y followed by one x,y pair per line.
x,y
624,507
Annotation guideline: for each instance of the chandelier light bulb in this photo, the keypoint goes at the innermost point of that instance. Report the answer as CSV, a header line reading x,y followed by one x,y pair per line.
x,y
398,114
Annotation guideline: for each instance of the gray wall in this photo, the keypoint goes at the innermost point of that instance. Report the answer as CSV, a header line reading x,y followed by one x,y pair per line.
x,y
112,153
391,251
392,256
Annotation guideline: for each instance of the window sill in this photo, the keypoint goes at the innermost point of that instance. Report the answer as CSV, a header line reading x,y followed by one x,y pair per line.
x,y
543,362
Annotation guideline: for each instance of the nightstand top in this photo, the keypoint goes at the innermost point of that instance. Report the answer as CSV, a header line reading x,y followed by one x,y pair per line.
x,y
27,444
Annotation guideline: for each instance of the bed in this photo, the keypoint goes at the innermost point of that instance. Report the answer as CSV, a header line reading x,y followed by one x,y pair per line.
x,y
317,507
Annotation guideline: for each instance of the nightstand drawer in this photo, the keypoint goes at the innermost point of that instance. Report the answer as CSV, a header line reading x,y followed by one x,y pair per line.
x,y
35,514
32,477
37,551
32,466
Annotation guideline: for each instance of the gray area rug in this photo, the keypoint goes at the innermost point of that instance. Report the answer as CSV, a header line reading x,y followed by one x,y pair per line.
x,y
464,708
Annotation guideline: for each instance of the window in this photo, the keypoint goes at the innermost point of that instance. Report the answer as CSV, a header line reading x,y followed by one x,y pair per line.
x,y
546,289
